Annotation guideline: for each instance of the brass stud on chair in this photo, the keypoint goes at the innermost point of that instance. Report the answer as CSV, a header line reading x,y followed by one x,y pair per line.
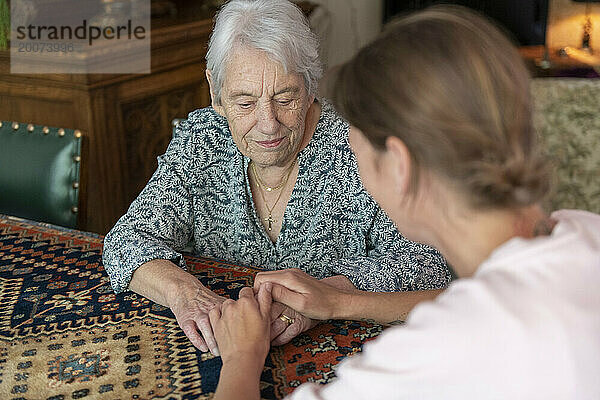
x,y
46,130
77,133
77,158
74,210
30,127
15,126
61,132
75,185
0,124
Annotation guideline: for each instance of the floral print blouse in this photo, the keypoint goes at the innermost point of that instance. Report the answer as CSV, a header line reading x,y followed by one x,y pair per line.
x,y
200,193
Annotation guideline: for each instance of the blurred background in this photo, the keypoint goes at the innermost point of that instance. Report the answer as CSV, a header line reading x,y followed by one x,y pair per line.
x,y
126,120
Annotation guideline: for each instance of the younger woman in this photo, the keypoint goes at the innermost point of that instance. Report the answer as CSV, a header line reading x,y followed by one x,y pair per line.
x,y
445,144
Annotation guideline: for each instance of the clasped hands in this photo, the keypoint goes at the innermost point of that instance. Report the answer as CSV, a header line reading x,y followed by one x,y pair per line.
x,y
280,306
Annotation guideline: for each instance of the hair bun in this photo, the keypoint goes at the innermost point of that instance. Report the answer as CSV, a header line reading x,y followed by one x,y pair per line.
x,y
516,182
522,195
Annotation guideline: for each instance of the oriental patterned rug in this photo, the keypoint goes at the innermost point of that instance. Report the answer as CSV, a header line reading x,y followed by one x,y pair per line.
x,y
65,335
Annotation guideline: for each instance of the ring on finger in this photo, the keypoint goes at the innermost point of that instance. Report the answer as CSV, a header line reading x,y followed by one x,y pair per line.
x,y
287,319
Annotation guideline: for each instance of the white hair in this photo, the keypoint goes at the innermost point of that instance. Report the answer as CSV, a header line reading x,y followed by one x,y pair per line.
x,y
277,27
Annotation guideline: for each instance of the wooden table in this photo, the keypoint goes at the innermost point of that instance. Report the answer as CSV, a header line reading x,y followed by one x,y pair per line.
x,y
64,334
125,118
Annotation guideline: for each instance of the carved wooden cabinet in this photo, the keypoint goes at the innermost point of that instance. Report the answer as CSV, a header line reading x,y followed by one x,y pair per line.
x,y
125,119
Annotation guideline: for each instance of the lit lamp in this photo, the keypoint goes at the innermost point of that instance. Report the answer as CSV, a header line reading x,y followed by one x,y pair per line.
x,y
587,27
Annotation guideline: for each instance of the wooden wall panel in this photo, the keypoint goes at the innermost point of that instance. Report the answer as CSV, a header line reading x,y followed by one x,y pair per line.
x,y
40,111
125,119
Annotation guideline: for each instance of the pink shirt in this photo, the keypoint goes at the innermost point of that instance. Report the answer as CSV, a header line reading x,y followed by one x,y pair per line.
x,y
525,326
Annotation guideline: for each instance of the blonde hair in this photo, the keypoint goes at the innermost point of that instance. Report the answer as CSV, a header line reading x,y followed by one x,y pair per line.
x,y
452,87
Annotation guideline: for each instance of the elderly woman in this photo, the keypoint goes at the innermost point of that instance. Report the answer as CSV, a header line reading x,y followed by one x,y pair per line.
x,y
264,177
448,149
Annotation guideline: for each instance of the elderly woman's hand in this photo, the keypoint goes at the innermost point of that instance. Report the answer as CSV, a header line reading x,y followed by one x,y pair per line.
x,y
242,327
287,323
191,305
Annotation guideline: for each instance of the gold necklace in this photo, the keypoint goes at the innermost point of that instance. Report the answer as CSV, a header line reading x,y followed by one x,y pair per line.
x,y
264,185
270,219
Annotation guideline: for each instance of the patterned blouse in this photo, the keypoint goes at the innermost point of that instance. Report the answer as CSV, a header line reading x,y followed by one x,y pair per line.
x,y
200,192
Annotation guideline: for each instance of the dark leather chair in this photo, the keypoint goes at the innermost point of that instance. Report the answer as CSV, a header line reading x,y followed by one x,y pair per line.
x,y
39,172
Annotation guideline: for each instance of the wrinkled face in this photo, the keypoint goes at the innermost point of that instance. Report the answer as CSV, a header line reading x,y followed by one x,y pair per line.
x,y
265,107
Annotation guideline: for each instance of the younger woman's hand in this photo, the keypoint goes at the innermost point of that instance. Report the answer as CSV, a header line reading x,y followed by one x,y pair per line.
x,y
242,327
313,298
